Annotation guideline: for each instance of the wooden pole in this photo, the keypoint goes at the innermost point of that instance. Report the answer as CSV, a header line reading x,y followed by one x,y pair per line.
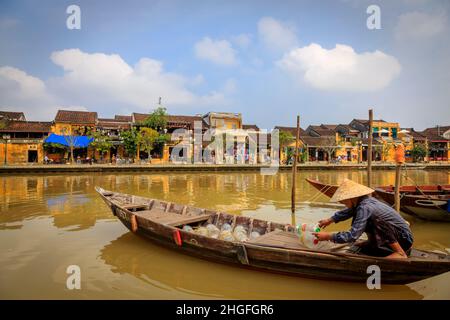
x,y
294,172
369,150
397,187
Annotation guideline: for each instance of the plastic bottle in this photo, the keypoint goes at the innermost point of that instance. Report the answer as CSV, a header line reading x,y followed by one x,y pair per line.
x,y
254,235
306,237
240,235
213,231
225,226
226,235
308,227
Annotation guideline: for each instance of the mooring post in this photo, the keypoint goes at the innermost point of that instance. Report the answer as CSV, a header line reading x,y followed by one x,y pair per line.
x,y
294,172
369,150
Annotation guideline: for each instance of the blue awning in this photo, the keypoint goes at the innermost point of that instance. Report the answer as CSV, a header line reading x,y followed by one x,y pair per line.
x,y
77,141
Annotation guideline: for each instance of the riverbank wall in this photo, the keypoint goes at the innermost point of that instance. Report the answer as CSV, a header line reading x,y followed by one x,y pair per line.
x,y
108,168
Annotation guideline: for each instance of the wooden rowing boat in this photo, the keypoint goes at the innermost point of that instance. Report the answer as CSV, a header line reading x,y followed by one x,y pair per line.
x,y
429,202
276,250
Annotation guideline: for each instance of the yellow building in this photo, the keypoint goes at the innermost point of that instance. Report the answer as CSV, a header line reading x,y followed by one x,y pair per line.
x,y
22,141
74,123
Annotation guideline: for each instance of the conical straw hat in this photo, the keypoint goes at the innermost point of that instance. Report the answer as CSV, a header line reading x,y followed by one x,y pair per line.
x,y
350,189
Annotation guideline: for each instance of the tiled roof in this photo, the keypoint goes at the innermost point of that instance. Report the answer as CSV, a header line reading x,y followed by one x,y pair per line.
x,y
416,135
112,124
122,118
318,141
329,126
11,115
189,120
139,117
432,137
77,117
292,130
436,131
250,127
27,126
322,132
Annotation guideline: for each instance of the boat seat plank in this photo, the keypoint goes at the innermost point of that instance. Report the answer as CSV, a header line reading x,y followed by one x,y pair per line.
x,y
171,218
134,206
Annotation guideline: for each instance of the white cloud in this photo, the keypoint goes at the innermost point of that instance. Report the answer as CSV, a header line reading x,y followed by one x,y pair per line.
x,y
20,91
277,36
219,52
340,68
419,25
98,79
242,40
107,78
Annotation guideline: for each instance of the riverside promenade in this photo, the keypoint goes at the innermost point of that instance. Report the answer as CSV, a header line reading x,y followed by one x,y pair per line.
x,y
108,168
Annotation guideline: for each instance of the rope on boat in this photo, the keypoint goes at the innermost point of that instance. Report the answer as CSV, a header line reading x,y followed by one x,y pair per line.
x,y
405,174
324,189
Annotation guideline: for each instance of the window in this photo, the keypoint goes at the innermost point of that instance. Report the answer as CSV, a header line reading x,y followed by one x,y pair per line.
x,y
394,132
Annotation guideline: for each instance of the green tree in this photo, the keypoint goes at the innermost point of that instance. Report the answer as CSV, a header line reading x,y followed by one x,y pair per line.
x,y
130,141
3,124
386,149
304,156
147,138
157,120
285,138
418,152
102,143
160,141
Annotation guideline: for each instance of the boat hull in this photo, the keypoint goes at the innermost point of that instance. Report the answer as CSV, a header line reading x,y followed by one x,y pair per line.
x,y
419,206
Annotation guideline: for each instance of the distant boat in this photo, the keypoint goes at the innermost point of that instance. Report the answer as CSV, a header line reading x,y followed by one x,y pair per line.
x,y
277,249
429,202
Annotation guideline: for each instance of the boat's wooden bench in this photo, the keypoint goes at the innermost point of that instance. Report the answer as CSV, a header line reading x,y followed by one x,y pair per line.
x,y
134,207
170,218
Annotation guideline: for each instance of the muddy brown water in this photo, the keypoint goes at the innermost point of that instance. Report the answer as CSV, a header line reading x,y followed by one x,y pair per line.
x,y
50,222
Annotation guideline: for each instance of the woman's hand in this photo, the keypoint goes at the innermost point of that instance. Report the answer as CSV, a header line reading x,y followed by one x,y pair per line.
x,y
325,222
323,236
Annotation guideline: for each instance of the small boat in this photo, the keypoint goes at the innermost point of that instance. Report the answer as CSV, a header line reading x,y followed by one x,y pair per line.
x,y
429,202
277,249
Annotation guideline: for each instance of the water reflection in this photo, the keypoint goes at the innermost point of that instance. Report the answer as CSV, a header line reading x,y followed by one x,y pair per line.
x,y
63,212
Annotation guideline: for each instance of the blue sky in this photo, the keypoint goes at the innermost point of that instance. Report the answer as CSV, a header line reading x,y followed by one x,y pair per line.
x,y
269,60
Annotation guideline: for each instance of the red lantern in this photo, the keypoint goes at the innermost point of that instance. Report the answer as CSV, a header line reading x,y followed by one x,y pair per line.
x,y
400,154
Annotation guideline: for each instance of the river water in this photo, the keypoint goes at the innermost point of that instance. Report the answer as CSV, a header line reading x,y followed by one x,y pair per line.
x,y
48,223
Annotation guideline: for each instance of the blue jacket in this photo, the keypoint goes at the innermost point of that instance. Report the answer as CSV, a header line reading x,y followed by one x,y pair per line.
x,y
368,211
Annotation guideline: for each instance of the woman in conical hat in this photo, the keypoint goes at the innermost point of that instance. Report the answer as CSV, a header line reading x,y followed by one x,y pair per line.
x,y
388,233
